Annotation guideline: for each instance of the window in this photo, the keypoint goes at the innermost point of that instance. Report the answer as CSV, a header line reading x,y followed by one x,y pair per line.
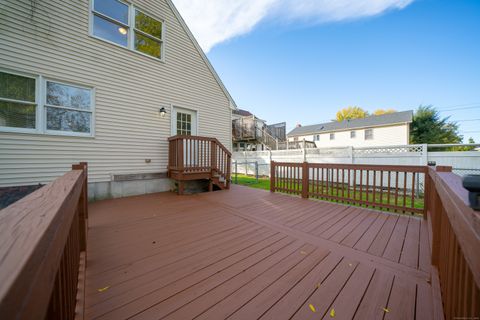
x,y
148,35
18,106
353,134
332,136
110,21
316,137
122,24
184,124
295,139
369,134
34,105
68,108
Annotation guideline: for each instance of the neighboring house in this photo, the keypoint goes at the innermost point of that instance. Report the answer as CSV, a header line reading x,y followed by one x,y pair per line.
x,y
250,133
387,129
106,82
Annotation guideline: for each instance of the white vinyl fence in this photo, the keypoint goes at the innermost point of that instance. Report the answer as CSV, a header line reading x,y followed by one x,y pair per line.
x,y
258,162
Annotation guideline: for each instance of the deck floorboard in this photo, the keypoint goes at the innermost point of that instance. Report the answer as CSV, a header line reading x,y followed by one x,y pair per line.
x,y
250,254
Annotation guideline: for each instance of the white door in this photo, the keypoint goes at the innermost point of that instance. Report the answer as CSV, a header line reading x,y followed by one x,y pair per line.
x,y
184,122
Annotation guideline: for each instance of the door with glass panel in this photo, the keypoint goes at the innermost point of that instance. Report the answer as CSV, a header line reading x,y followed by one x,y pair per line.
x,y
184,123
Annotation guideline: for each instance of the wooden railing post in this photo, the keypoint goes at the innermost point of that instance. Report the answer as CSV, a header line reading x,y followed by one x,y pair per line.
x,y
305,178
83,206
272,176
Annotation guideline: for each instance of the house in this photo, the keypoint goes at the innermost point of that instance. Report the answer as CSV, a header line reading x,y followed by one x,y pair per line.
x,y
386,129
250,133
104,82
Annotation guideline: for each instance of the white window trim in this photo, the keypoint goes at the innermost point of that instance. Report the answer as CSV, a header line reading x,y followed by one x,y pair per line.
x,y
45,105
36,103
40,102
130,28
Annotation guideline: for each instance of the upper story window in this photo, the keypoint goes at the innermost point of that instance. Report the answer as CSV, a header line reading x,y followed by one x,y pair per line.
x,y
18,107
148,35
34,105
124,25
110,21
332,136
353,134
368,134
316,137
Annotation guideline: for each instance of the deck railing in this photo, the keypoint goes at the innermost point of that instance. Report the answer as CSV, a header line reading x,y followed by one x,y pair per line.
x,y
190,155
455,239
43,240
454,228
393,188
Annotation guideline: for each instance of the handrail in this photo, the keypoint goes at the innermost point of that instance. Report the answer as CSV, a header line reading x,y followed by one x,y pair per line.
x,y
395,188
194,157
41,240
199,138
455,239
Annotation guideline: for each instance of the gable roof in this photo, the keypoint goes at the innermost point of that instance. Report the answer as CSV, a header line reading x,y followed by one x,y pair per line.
x,y
177,14
372,121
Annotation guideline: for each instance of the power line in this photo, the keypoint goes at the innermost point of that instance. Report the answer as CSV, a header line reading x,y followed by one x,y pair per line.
x,y
464,108
465,120
460,105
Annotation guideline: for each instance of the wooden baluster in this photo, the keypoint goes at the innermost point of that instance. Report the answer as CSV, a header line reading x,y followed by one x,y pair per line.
x,y
389,189
326,184
367,187
404,190
354,184
374,186
348,187
413,190
381,188
337,183
361,185
396,189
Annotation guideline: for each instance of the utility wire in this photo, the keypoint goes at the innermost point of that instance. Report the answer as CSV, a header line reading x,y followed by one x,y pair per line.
x,y
464,108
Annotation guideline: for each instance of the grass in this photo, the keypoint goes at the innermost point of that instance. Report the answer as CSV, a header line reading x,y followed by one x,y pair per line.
x,y
249,181
264,183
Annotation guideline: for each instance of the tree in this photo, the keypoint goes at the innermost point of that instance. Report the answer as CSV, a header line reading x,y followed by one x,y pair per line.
x,y
429,127
351,113
379,112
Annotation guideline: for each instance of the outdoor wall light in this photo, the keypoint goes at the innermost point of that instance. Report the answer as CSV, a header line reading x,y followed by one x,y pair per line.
x,y
163,112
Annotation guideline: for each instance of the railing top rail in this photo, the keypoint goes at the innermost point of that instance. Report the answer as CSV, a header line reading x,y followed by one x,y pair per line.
x,y
33,233
402,168
464,220
182,137
200,138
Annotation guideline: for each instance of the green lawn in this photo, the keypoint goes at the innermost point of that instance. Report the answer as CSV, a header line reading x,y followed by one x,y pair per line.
x,y
249,181
264,183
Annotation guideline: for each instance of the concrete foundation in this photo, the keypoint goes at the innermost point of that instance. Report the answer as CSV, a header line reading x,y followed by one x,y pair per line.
x,y
119,189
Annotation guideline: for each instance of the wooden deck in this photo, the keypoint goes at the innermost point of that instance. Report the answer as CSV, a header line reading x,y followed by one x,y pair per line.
x,y
250,254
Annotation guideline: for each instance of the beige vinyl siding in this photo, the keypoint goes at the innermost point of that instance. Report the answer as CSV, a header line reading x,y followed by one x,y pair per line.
x,y
130,88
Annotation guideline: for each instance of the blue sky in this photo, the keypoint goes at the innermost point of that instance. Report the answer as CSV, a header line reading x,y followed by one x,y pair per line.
x,y
303,69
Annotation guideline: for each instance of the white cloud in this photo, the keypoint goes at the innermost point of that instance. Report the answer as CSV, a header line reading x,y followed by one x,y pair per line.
x,y
215,21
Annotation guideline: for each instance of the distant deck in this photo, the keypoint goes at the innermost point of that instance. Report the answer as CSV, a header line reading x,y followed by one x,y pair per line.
x,y
249,254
